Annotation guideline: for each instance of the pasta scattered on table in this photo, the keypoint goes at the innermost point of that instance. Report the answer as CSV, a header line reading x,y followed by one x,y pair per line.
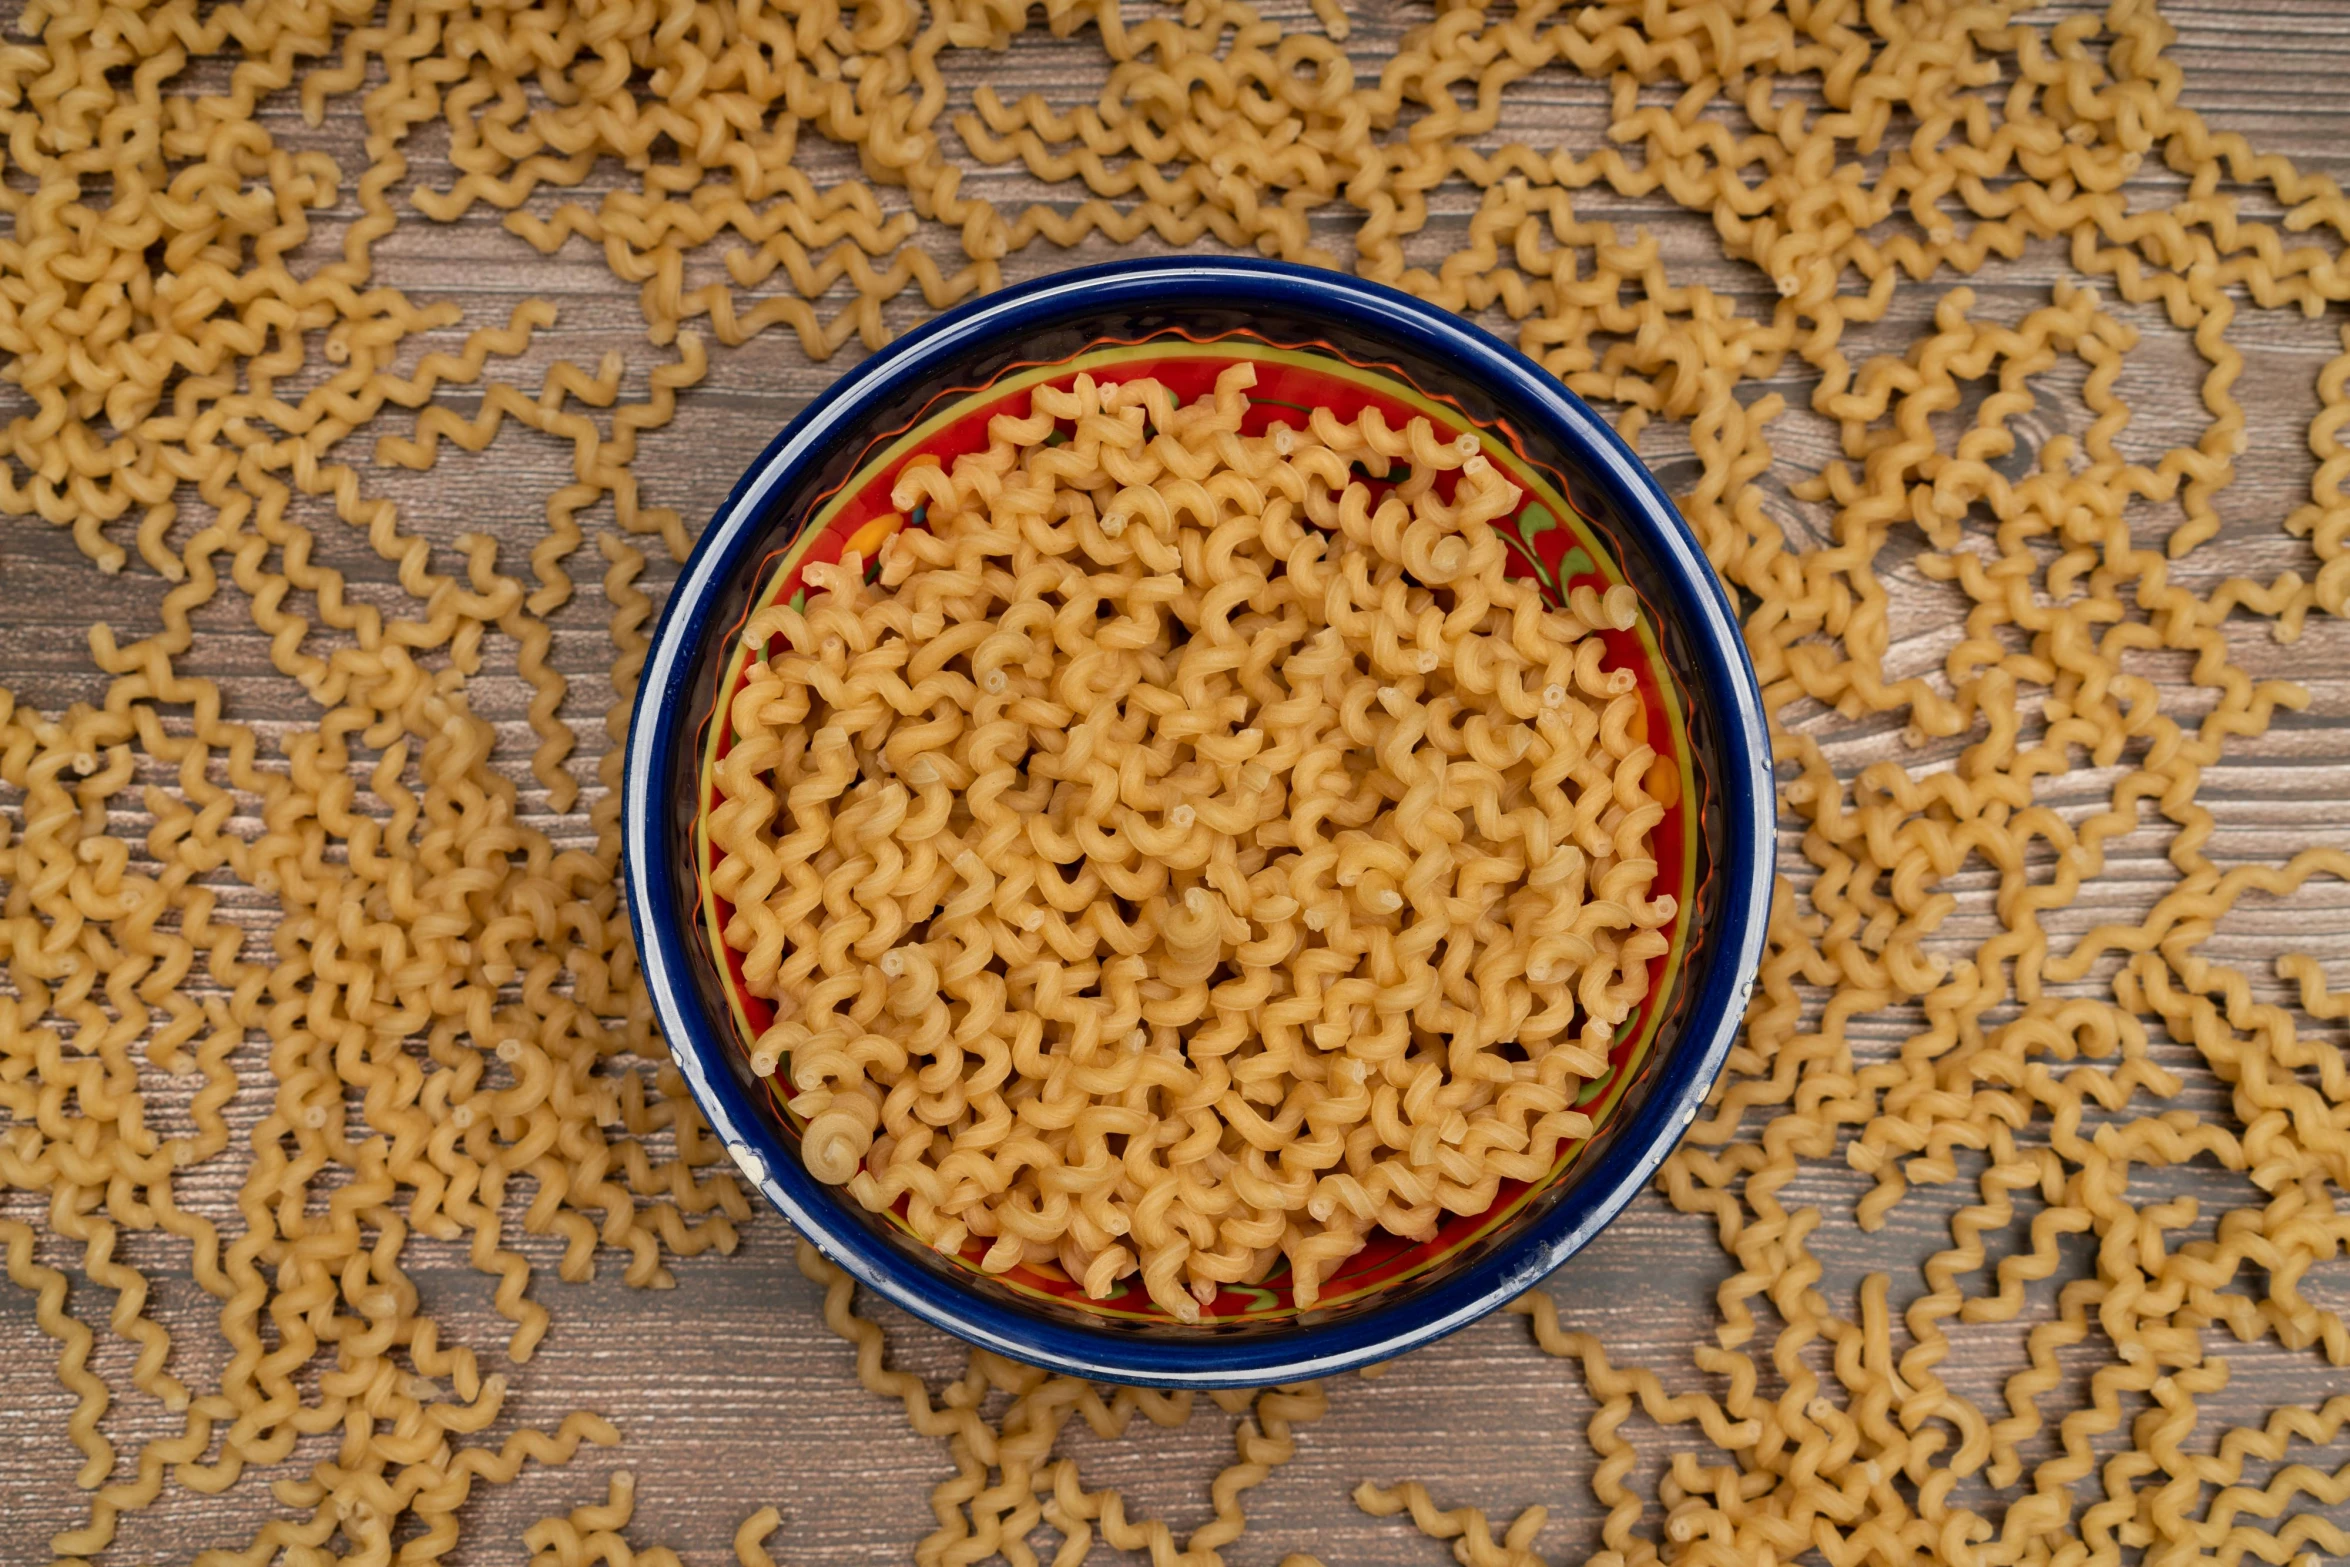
x,y
210,357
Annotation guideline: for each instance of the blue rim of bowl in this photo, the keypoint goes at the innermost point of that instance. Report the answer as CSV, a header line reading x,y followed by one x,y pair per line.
x,y
1683,1077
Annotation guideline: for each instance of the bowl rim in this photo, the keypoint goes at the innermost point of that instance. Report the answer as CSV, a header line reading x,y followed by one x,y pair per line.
x,y
1685,1075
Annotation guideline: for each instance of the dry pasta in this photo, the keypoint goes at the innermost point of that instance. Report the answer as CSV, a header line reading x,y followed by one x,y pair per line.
x,y
206,358
1185,859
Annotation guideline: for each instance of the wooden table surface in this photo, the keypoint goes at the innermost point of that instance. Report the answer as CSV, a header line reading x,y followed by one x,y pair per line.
x,y
730,1392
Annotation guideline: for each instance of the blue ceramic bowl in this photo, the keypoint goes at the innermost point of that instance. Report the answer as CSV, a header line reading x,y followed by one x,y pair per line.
x,y
1593,514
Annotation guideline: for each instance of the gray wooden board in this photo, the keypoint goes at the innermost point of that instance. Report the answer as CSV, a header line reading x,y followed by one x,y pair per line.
x,y
731,1393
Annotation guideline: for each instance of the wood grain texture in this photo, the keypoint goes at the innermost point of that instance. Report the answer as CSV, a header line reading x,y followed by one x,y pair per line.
x,y
729,1390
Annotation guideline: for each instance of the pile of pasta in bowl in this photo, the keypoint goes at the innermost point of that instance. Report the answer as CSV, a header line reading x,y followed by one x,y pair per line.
x,y
1193,849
